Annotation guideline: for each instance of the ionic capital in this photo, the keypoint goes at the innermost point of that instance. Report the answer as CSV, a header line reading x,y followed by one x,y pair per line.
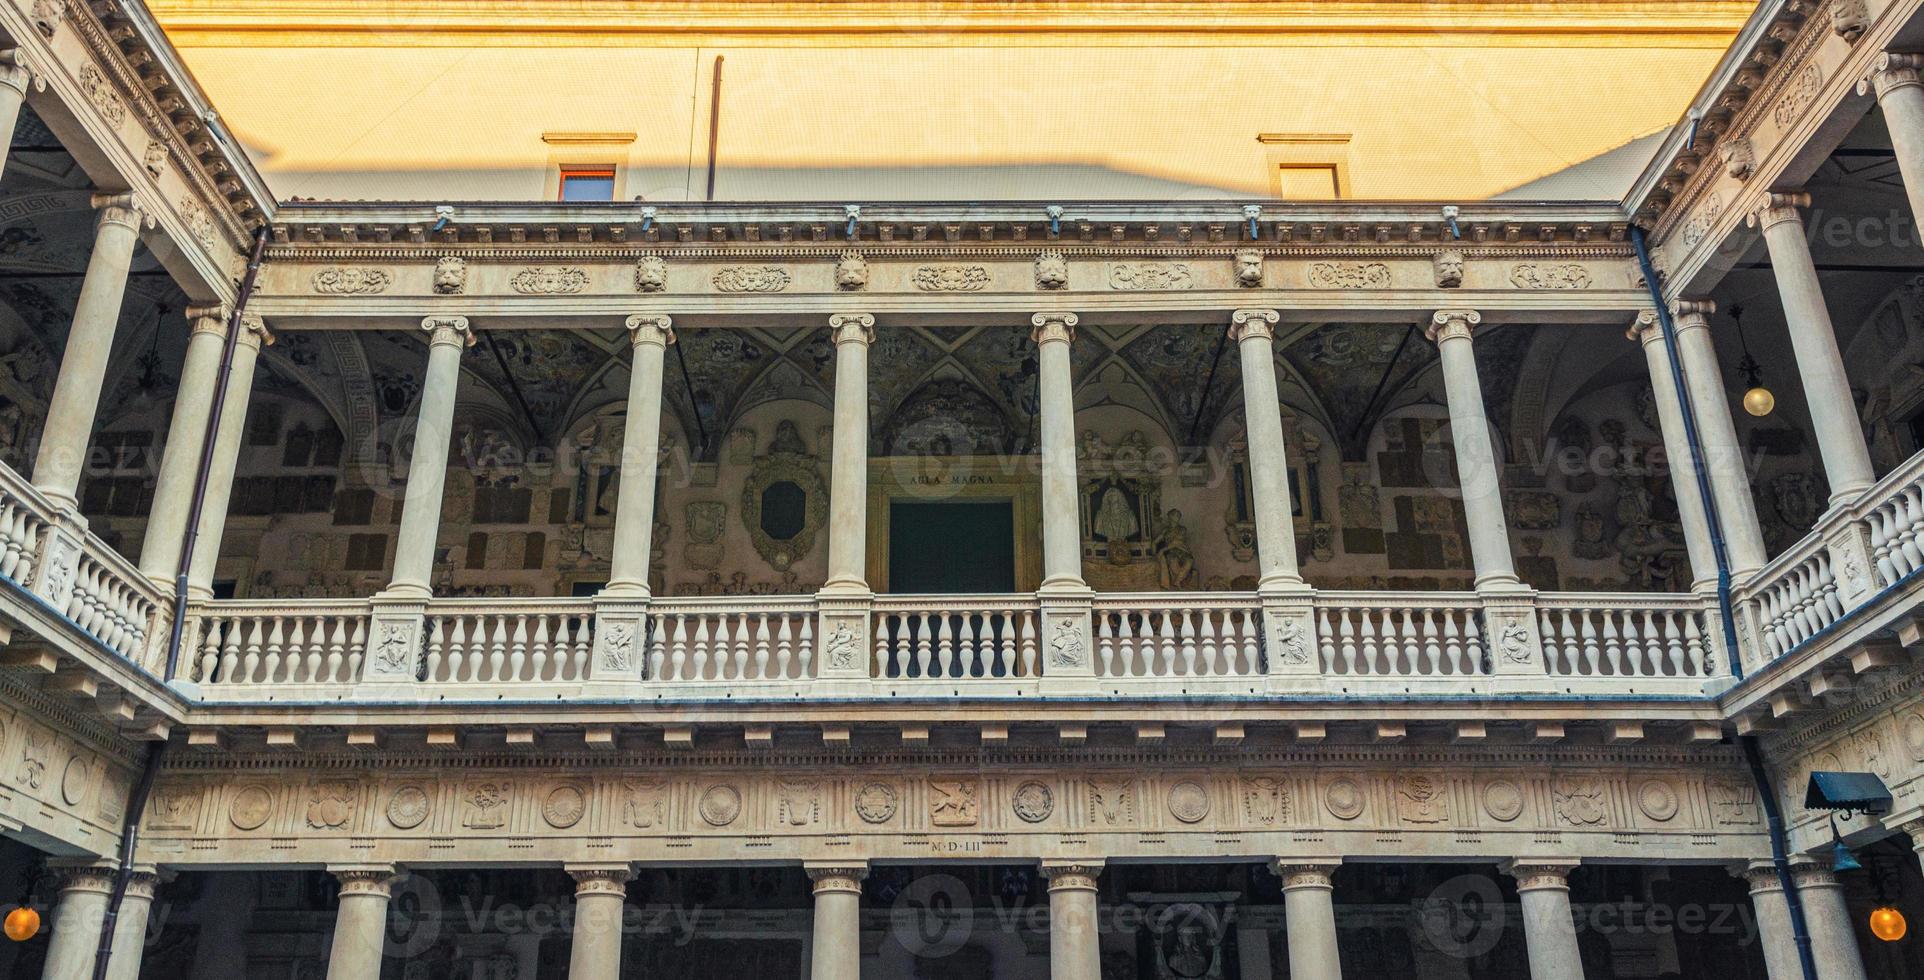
x,y
1891,71
651,328
1071,875
366,879
1298,873
17,74
254,332
1452,324
209,319
120,210
1778,207
1692,313
852,328
601,879
836,877
1646,328
1539,874
1053,327
1253,323
450,330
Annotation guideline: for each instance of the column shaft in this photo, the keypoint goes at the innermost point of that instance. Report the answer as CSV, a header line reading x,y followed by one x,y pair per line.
x,y
848,466
360,923
186,436
1061,513
1827,391
226,459
83,366
1676,447
1774,932
1254,333
835,946
428,466
1833,937
14,79
1309,916
1723,455
601,896
1900,95
1075,944
77,918
130,927
1476,464
640,453
1549,929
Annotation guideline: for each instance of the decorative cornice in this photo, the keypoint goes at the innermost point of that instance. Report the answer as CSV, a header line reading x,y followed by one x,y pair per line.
x,y
336,252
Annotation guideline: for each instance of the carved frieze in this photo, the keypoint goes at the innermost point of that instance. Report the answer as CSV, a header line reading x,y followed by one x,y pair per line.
x,y
101,93
350,281
651,274
1349,275
1051,270
550,281
1563,276
851,271
950,278
751,279
450,275
1148,276
1797,96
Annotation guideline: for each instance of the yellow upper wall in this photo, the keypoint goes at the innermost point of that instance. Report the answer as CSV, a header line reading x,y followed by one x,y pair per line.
x,y
842,100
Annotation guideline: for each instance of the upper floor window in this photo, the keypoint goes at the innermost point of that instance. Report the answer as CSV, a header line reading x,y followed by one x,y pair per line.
x,y
588,183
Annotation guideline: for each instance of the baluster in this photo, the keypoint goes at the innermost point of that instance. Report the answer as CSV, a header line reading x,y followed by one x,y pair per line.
x,y
1883,523
303,662
784,648
1162,656
743,645
1833,603
1408,648
978,653
1473,649
1029,666
270,663
762,649
251,653
1005,649
583,644
517,649
1326,654
1453,648
10,550
209,659
721,653
678,649
1207,651
1130,646
336,658
230,659
1612,643
1909,526
1636,652
356,647
1186,640
1367,647
313,647
538,646
657,626
944,645
1346,637
1592,651
498,650
1694,647
924,625
1106,643
805,646
698,656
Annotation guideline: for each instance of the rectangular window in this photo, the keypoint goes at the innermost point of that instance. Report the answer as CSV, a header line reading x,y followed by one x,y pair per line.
x,y
596,183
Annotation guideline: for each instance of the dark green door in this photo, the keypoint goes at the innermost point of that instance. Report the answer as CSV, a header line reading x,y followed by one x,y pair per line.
x,y
952,546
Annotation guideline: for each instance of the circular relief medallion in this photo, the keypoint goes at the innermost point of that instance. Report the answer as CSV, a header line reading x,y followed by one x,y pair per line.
x,y
1914,735
875,803
563,807
720,804
1343,798
1033,802
407,808
74,780
1503,800
250,808
1657,800
1188,802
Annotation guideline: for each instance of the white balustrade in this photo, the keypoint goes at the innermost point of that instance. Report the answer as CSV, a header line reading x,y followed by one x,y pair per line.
x,y
955,637
507,641
1179,635
1794,597
257,643
1608,635
770,638
1428,634
115,603
22,527
1894,509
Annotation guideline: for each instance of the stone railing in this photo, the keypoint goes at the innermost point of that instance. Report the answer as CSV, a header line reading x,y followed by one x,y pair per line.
x,y
250,643
51,554
1412,634
955,638
1627,635
734,640
1158,635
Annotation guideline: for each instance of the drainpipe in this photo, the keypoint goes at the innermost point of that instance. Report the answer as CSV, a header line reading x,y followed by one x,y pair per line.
x,y
1753,754
137,800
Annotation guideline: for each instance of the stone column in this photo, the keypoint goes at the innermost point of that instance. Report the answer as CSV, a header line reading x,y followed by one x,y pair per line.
x,y
1915,830
836,941
1676,446
601,896
1723,455
227,446
1833,412
1254,333
1900,94
848,468
428,466
83,368
1476,465
77,917
1549,929
1774,932
650,334
1833,937
1309,915
1075,945
14,79
1061,514
360,923
130,927
186,435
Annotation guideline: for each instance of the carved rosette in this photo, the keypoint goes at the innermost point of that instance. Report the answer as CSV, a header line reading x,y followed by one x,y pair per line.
x,y
837,878
1072,876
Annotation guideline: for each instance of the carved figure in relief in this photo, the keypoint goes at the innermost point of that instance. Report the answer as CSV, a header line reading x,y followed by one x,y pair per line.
x,y
487,806
33,760
1249,268
1112,801
851,271
1065,644
450,275
953,802
1291,644
842,646
1579,801
1515,641
798,804
1265,800
1175,563
644,804
1420,800
617,651
1051,270
330,803
651,274
1448,266
394,652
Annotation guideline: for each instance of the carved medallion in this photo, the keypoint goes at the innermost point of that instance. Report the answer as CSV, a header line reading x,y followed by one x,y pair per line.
x,y
1419,799
1914,735
1566,276
1265,800
406,809
330,804
644,803
1188,802
798,803
1657,800
954,802
720,804
1349,275
75,779
1343,798
876,803
487,805
1033,802
1112,802
250,808
950,278
347,281
1149,276
564,807
1578,800
549,281
1502,800
751,279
